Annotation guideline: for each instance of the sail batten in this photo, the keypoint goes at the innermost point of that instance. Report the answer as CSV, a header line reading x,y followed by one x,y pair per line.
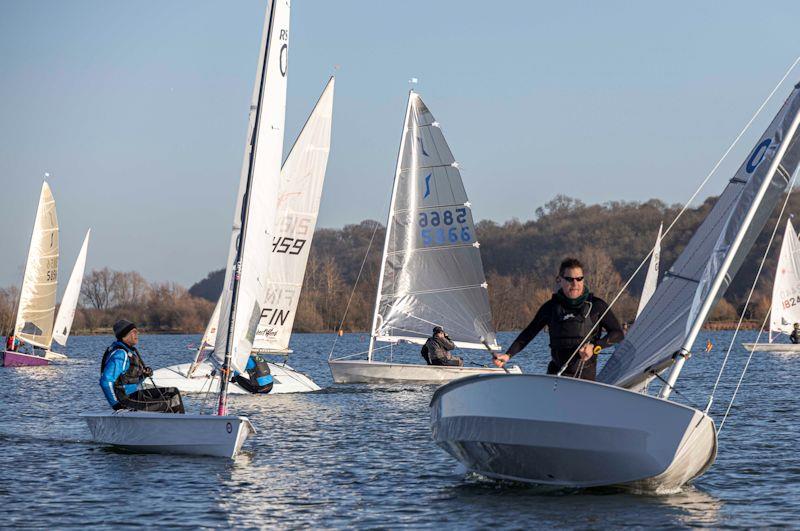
x,y
677,309
37,302
431,269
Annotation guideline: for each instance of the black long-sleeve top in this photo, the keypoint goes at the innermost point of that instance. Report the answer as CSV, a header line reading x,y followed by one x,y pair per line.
x,y
608,325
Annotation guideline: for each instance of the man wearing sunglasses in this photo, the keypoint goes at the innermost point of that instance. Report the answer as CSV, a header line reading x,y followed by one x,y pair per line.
x,y
571,315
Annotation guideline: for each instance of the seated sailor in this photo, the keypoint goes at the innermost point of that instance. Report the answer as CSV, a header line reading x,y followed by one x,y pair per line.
x,y
795,335
259,380
123,371
436,350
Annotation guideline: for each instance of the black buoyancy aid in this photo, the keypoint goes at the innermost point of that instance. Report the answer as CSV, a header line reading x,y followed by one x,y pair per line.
x,y
258,374
135,372
568,327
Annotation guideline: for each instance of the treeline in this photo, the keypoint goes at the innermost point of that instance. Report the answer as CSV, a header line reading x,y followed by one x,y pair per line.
x,y
108,295
520,259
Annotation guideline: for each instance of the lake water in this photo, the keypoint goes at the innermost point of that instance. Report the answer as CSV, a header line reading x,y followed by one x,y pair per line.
x,y
362,456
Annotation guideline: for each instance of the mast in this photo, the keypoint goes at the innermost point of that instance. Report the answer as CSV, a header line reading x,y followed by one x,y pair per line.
x,y
398,169
237,268
685,349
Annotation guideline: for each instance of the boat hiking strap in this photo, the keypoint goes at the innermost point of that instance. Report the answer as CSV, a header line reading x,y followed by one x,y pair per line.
x,y
746,305
683,210
350,299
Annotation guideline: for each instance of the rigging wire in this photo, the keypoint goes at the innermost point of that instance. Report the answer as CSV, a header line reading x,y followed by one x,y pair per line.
x,y
350,299
744,371
683,210
750,294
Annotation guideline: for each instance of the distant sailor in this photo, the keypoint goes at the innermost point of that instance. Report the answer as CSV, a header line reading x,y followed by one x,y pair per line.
x,y
259,379
436,349
13,343
795,336
122,373
570,315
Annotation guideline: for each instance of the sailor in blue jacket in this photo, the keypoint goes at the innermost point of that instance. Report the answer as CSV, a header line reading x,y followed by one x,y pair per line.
x,y
123,371
259,380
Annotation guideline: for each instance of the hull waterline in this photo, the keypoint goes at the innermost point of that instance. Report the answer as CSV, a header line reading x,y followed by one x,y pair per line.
x,y
772,347
17,359
285,380
560,431
375,372
169,433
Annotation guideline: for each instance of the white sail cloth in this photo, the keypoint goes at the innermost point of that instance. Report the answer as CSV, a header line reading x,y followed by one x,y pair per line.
x,y
433,274
260,175
37,301
69,302
297,207
651,280
786,289
666,322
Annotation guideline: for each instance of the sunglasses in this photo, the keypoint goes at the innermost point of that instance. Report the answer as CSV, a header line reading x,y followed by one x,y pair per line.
x,y
573,279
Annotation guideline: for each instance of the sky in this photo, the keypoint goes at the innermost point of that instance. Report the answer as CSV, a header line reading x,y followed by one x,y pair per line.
x,y
138,109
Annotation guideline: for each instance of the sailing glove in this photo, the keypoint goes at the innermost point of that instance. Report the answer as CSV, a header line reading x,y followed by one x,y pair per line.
x,y
148,372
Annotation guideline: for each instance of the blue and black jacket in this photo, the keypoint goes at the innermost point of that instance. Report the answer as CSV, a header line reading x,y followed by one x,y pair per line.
x,y
121,372
260,380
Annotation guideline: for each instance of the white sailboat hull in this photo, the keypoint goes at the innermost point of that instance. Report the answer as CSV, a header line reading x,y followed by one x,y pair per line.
x,y
772,347
170,433
362,371
50,355
561,431
286,380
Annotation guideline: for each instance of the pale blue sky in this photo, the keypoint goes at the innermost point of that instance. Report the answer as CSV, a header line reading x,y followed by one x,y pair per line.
x,y
138,108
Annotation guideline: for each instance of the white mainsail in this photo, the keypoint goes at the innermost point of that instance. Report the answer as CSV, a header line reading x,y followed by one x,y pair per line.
x,y
664,331
66,312
432,272
651,280
297,207
37,302
248,259
786,289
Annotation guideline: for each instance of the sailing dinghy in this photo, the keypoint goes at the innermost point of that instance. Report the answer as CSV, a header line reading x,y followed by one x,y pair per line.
x,y
297,207
785,310
574,433
37,300
431,270
222,435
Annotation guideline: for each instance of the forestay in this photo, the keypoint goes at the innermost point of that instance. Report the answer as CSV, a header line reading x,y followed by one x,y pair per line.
x,y
786,289
675,308
66,312
651,280
37,300
432,270
300,189
259,181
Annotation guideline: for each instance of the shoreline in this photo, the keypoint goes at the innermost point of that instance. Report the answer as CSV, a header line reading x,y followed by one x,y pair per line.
x,y
712,326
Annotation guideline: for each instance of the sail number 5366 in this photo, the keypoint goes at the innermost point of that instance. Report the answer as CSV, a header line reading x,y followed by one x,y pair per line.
x,y
447,226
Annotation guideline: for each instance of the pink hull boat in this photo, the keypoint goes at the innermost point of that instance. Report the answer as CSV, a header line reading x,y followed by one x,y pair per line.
x,y
17,359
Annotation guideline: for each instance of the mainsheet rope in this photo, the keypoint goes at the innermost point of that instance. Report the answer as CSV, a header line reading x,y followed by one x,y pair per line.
x,y
682,211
